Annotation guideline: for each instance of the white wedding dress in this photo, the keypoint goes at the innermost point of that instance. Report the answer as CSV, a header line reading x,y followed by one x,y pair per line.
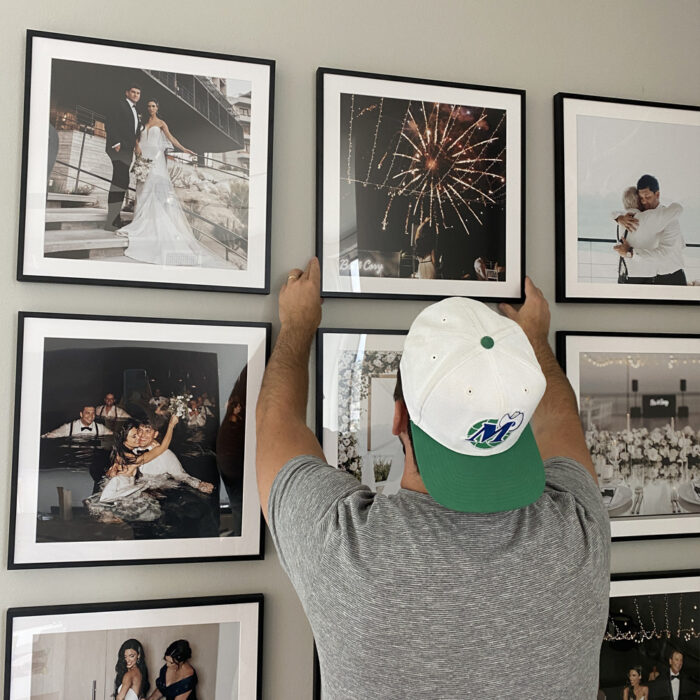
x,y
160,232
130,694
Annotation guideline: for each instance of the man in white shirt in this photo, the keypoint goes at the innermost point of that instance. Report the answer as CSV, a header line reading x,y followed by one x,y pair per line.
x,y
110,412
85,428
667,257
671,683
167,463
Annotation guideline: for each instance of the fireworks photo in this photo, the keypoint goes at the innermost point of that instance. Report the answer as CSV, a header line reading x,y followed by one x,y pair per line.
x,y
425,189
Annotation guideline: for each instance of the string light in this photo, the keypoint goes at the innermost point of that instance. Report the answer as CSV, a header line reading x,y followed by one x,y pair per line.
x,y
642,634
637,361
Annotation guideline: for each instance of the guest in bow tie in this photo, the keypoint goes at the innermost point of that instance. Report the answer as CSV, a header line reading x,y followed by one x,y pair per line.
x,y
85,428
673,683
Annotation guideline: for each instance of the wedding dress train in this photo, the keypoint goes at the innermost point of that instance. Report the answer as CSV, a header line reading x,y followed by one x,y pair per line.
x,y
160,232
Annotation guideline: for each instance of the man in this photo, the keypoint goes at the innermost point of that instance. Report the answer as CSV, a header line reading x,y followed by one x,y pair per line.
x,y
167,463
667,257
671,683
464,583
85,428
122,127
109,413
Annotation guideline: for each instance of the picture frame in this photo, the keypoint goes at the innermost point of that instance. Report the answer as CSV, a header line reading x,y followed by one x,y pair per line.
x,y
356,375
651,618
638,409
416,197
183,203
92,480
603,147
71,650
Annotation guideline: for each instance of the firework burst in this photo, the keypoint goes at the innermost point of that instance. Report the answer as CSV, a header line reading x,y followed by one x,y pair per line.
x,y
444,159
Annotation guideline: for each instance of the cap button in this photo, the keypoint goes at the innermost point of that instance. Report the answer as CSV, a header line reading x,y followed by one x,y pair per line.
x,y
487,342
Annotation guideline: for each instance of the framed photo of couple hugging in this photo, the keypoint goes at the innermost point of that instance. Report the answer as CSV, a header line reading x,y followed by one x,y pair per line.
x,y
96,650
145,166
627,202
135,441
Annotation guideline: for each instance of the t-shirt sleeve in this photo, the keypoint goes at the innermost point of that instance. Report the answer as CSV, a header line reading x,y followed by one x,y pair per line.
x,y
566,475
303,514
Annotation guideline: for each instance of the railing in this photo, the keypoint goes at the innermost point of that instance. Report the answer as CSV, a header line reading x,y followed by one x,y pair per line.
x,y
82,119
241,252
203,162
207,100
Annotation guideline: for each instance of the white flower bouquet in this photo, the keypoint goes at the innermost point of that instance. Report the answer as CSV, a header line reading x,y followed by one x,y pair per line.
x,y
141,168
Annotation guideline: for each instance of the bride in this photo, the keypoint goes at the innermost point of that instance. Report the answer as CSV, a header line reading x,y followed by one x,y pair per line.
x,y
160,232
131,681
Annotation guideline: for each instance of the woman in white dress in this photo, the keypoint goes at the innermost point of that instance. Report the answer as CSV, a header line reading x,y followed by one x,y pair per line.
x,y
131,681
635,690
160,232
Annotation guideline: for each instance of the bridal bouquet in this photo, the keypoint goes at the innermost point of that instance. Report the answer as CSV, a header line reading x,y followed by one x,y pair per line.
x,y
141,168
177,405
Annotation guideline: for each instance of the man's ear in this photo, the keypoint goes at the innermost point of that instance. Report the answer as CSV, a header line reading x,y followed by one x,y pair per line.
x,y
400,424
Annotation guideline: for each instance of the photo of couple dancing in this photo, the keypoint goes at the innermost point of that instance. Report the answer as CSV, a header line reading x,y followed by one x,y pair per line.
x,y
177,678
162,459
138,142
650,241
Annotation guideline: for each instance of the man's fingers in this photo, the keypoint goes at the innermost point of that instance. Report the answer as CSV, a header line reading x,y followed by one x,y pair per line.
x,y
530,288
294,274
313,271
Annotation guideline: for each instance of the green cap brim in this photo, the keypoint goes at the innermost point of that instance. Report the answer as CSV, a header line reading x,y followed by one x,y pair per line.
x,y
505,481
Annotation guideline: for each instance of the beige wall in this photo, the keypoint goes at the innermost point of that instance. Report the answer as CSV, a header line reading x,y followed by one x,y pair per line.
x,y
638,49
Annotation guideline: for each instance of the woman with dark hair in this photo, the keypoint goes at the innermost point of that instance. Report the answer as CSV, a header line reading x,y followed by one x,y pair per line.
x,y
131,681
635,690
177,679
425,242
160,232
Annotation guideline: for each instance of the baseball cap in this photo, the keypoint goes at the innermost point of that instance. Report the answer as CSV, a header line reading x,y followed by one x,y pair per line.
x,y
471,383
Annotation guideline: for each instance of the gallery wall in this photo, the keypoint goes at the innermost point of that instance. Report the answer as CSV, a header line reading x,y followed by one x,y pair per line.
x,y
635,49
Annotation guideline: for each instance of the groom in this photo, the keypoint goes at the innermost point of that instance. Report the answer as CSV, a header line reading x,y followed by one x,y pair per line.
x,y
122,126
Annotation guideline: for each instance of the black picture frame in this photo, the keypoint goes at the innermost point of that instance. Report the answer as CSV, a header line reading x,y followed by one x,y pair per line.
x,y
635,455
235,353
80,255
508,220
243,613
357,391
603,144
651,617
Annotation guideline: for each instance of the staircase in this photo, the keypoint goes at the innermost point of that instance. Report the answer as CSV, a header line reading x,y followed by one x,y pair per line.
x,y
75,224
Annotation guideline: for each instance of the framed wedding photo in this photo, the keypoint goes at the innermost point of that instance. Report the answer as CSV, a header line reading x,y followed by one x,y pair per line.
x,y
627,204
420,187
145,166
652,634
639,399
82,651
135,441
355,404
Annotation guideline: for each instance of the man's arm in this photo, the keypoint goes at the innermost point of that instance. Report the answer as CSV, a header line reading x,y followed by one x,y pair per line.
x,y
280,417
61,431
659,219
555,424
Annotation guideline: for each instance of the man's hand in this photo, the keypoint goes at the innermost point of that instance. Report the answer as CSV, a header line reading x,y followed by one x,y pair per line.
x,y
622,248
300,299
628,222
533,316
117,148
205,487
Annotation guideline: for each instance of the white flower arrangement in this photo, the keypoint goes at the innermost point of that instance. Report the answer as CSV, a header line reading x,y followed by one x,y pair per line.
x,y
141,168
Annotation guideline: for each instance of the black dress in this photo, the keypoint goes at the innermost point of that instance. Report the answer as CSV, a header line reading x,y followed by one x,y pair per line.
x,y
177,688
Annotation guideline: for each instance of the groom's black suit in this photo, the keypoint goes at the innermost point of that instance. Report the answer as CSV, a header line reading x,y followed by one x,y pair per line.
x,y
121,129
661,687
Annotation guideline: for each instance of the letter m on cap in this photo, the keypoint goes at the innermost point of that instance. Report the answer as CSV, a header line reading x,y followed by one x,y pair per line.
x,y
487,433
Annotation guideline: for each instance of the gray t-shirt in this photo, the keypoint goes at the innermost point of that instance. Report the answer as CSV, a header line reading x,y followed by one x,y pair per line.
x,y
410,600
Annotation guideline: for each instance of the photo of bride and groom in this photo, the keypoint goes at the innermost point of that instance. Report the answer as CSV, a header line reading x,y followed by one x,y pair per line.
x,y
651,245
137,144
146,167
